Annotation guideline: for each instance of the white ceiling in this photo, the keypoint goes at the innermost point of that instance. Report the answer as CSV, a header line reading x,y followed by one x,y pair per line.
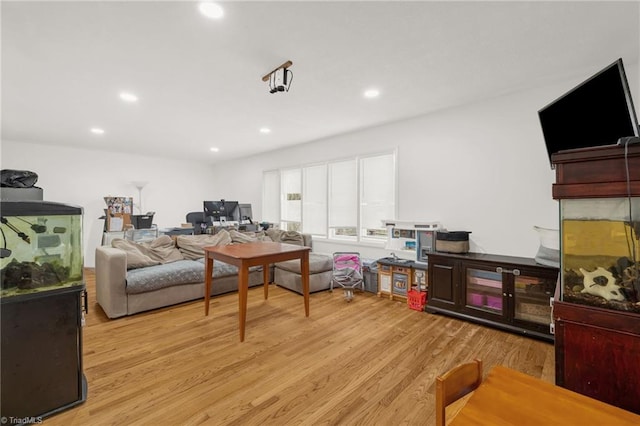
x,y
199,81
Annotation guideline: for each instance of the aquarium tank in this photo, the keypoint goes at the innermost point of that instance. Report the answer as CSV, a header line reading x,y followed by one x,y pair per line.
x,y
41,247
601,252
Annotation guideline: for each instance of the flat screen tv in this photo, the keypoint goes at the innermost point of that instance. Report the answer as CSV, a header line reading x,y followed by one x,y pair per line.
x,y
245,213
597,112
222,211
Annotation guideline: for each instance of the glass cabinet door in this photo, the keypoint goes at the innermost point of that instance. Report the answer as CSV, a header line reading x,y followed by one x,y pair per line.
x,y
531,298
484,290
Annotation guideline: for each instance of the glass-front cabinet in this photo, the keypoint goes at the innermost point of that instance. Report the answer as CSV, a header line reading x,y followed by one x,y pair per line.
x,y
516,294
531,298
484,290
508,292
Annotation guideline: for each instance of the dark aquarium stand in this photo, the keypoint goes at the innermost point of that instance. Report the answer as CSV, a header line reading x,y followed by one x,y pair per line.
x,y
41,310
597,348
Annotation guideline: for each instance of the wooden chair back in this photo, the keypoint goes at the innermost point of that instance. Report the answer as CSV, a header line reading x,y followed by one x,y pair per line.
x,y
454,384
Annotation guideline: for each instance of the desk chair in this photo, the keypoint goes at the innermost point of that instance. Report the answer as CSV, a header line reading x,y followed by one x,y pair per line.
x,y
196,219
454,384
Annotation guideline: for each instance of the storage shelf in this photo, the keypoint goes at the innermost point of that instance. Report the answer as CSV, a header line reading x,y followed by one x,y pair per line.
x,y
466,286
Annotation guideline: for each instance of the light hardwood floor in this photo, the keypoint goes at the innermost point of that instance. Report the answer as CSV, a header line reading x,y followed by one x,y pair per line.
x,y
368,362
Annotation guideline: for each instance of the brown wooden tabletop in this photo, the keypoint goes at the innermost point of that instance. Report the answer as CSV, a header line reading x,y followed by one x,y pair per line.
x,y
509,397
246,255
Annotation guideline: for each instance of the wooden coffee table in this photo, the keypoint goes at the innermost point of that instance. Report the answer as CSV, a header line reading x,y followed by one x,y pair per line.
x,y
247,255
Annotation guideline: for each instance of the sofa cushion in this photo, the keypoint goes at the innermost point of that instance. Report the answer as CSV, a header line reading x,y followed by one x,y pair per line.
x,y
221,269
317,263
192,246
176,273
164,275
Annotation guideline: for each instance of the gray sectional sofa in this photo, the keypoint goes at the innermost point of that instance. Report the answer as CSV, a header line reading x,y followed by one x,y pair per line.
x,y
136,277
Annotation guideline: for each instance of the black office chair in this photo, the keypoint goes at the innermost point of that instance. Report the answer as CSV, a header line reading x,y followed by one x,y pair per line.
x,y
199,222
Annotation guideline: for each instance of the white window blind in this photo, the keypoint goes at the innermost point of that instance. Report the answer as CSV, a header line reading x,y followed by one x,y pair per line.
x,y
377,194
271,196
291,205
346,199
314,200
343,198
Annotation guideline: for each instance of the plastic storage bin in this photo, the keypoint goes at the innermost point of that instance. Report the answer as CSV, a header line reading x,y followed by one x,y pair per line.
x,y
416,300
452,241
370,273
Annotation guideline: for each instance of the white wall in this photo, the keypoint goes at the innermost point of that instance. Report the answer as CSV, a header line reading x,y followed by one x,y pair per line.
x,y
481,167
84,177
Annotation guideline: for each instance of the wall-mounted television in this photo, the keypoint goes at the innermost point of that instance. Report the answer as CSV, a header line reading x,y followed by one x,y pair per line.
x,y
597,112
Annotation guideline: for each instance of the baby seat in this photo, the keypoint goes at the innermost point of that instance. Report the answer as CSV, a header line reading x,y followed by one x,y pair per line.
x,y
347,273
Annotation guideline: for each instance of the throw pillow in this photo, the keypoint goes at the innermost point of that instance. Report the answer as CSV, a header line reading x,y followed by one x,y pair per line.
x,y
137,255
292,237
274,234
262,236
192,246
241,237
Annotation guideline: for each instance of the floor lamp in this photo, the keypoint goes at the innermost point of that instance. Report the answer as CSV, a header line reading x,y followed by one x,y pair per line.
x,y
140,184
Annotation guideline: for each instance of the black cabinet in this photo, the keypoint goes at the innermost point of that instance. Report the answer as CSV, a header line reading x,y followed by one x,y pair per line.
x,y
442,271
42,353
507,292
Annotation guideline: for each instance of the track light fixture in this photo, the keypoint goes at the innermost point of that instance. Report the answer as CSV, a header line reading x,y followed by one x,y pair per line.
x,y
280,78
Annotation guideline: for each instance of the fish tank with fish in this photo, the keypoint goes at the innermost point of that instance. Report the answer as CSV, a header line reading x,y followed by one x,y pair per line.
x,y
41,247
600,259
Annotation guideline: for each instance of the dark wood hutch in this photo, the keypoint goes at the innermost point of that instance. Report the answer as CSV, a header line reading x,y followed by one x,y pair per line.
x,y
598,350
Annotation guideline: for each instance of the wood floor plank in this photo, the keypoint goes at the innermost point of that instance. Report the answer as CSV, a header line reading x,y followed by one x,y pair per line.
x,y
372,362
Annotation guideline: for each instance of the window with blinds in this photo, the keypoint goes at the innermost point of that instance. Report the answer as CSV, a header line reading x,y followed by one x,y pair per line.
x,y
346,199
314,202
291,204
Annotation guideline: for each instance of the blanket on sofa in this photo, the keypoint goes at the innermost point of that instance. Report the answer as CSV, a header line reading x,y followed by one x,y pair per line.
x,y
164,250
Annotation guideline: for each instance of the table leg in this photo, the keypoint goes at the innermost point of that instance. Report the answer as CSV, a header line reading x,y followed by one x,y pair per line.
x,y
243,289
208,273
265,278
304,268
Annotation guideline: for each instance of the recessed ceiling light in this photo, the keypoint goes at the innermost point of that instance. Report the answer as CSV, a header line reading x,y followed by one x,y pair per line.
x,y
97,131
128,97
371,93
214,149
265,130
211,10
